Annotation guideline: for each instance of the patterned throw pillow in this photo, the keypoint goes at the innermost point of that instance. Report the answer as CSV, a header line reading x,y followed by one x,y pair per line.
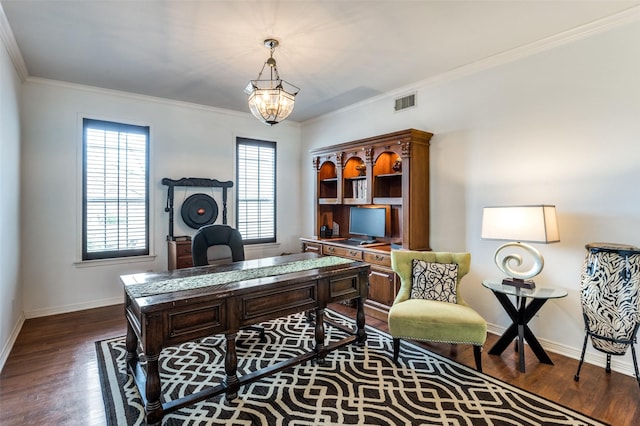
x,y
434,281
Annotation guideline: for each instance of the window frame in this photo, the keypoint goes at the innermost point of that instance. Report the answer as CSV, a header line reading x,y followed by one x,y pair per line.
x,y
121,127
240,141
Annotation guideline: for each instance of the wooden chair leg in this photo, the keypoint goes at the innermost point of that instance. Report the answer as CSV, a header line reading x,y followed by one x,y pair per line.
x,y
396,348
453,350
477,352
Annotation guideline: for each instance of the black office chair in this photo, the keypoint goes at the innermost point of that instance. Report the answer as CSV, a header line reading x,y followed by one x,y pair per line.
x,y
209,243
218,244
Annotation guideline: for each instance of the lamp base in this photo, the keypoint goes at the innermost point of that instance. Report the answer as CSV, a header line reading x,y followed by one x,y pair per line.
x,y
516,282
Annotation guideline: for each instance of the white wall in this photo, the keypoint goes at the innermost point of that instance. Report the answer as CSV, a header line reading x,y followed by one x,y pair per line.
x,y
11,317
559,127
186,141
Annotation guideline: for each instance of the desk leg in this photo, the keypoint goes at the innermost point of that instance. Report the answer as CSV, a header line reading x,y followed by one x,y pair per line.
x,y
231,368
153,408
151,392
132,346
320,348
361,334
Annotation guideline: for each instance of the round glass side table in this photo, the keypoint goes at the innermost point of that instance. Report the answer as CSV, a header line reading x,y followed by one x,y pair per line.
x,y
521,313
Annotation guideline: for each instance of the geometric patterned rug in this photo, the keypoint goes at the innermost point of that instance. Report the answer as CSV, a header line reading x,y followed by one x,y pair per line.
x,y
355,385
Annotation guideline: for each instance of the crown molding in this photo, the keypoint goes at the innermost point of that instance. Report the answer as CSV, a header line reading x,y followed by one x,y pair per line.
x,y
9,42
146,98
599,26
548,43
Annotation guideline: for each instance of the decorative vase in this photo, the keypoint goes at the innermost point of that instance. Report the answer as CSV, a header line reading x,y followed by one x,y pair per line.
x,y
397,166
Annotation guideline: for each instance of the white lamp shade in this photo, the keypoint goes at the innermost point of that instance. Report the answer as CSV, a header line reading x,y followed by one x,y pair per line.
x,y
535,223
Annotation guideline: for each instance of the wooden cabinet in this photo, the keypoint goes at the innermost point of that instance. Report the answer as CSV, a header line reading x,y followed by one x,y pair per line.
x,y
179,254
389,170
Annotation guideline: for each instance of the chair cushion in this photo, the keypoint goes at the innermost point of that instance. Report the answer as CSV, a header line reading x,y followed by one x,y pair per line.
x,y
434,281
436,321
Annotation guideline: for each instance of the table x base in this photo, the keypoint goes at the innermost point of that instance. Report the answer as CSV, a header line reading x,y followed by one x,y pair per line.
x,y
520,317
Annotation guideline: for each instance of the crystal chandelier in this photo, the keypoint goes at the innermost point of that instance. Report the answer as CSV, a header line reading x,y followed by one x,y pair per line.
x,y
269,100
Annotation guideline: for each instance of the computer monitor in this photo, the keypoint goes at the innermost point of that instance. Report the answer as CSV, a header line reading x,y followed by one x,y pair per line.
x,y
370,222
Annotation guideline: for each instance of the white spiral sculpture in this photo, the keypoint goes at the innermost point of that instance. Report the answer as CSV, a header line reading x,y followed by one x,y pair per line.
x,y
507,263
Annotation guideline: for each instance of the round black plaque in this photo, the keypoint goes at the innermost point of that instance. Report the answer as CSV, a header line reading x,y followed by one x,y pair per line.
x,y
199,210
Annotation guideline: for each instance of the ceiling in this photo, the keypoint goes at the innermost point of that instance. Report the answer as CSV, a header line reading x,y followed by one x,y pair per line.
x,y
338,52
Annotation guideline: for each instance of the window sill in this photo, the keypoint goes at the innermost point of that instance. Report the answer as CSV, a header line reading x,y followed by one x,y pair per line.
x,y
114,261
261,250
261,245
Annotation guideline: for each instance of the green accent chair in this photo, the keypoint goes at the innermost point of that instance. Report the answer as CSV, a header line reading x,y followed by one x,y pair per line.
x,y
432,320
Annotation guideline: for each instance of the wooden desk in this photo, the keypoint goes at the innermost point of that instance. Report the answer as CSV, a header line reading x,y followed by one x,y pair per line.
x,y
169,308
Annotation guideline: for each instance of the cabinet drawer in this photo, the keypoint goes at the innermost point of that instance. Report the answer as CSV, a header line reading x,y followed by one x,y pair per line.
x,y
377,258
342,252
183,249
382,286
312,247
195,321
184,262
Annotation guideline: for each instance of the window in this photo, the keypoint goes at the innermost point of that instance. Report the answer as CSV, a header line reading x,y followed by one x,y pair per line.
x,y
115,200
256,186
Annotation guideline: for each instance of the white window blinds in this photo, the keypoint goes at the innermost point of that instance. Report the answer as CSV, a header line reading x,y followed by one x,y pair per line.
x,y
115,190
256,190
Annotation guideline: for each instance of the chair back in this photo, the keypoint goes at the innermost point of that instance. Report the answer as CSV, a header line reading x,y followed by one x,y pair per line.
x,y
210,236
401,263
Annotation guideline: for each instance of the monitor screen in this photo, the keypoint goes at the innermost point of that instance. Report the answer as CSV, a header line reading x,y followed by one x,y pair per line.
x,y
368,221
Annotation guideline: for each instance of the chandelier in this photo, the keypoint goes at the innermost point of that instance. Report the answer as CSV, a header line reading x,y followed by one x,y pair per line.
x,y
269,100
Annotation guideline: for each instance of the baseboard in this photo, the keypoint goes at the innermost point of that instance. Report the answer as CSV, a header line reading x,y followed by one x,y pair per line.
x,y
37,313
12,340
622,364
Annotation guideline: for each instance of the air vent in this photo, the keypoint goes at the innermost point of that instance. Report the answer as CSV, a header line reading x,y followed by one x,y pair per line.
x,y
405,102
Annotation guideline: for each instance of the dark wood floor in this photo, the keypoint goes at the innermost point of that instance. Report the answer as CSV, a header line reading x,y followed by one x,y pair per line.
x,y
51,376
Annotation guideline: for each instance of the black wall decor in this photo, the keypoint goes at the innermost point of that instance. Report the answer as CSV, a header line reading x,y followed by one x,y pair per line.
x,y
200,208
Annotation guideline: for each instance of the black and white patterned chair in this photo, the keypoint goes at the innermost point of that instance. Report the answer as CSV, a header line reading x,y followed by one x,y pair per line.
x,y
610,297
